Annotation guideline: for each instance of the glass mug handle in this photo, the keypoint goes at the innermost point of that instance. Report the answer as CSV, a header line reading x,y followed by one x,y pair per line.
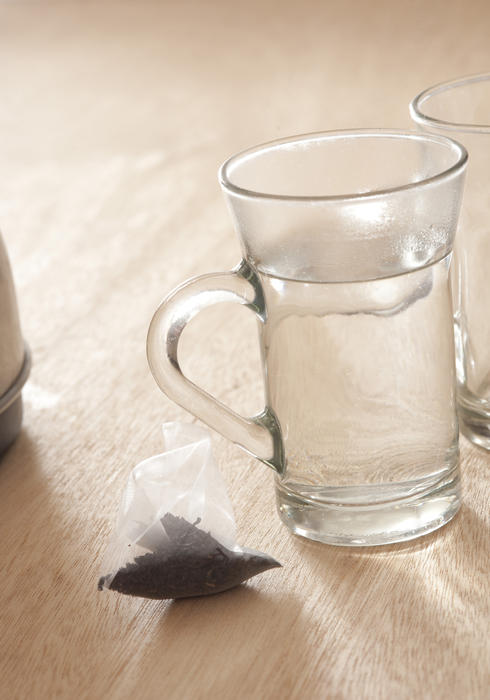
x,y
259,435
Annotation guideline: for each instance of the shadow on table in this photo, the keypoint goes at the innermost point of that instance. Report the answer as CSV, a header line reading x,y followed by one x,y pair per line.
x,y
459,546
33,547
232,641
405,602
328,615
9,457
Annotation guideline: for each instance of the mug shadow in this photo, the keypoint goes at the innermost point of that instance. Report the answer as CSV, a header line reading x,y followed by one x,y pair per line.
x,y
406,598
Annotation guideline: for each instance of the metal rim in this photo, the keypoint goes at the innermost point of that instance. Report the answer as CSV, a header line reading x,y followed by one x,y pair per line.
x,y
13,392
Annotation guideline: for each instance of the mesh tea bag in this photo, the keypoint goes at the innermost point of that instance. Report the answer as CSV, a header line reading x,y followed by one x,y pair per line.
x,y
175,532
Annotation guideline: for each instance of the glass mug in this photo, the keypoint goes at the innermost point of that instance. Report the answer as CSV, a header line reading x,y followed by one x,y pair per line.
x,y
346,240
461,108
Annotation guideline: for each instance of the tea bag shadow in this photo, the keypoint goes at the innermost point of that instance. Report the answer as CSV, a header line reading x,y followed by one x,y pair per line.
x,y
243,633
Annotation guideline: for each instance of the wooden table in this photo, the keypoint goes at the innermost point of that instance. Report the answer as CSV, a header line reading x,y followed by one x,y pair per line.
x,y
114,117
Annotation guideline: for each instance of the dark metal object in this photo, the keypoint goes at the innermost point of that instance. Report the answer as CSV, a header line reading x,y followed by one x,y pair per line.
x,y
11,406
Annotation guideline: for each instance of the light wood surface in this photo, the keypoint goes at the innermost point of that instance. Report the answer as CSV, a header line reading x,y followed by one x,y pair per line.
x,y
114,117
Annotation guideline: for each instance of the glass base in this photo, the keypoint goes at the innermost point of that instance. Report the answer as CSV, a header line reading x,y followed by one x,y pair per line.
x,y
475,426
370,525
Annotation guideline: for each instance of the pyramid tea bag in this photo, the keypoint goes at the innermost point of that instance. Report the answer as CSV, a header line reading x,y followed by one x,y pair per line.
x,y
175,533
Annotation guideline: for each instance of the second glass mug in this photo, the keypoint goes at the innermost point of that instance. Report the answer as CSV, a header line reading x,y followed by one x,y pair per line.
x,y
461,108
346,240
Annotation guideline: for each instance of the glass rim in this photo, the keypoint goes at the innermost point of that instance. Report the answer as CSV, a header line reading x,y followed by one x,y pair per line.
x,y
460,153
418,115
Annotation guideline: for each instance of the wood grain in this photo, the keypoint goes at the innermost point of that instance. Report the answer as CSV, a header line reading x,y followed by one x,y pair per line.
x,y
114,118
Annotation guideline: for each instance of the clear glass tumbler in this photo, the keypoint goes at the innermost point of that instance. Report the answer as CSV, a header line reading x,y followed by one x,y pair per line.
x,y
346,240
461,108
